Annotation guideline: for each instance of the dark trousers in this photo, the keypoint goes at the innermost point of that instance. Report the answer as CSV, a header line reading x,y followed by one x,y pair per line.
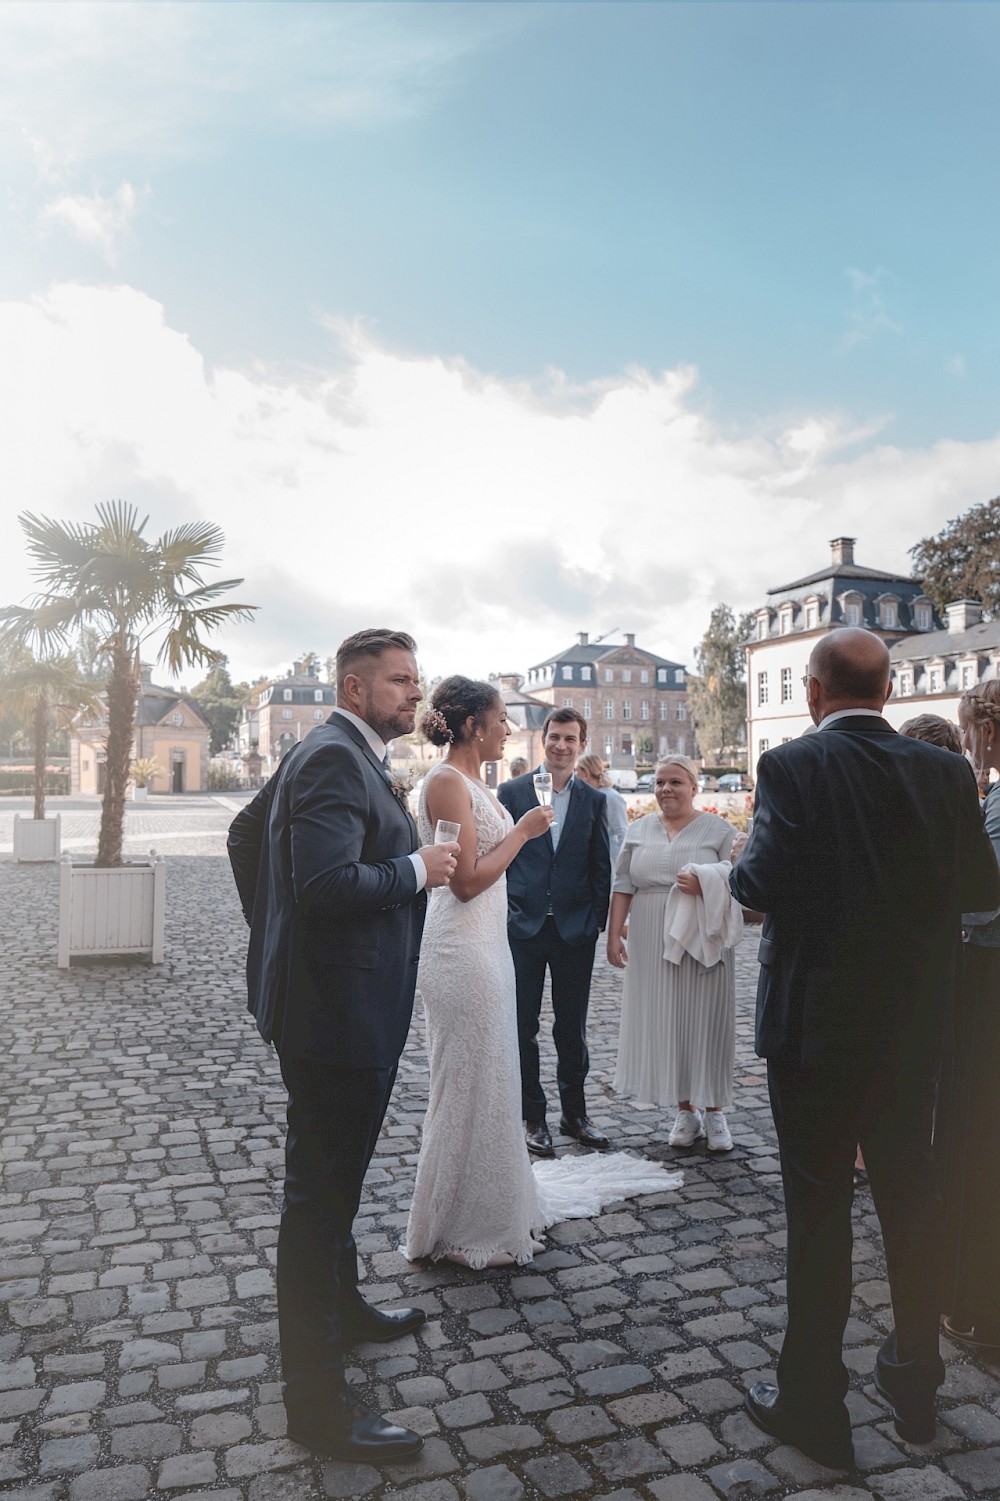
x,y
334,1118
821,1115
571,967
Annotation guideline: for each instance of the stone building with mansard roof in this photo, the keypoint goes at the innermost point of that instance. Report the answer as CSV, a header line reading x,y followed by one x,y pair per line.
x,y
170,729
933,660
634,701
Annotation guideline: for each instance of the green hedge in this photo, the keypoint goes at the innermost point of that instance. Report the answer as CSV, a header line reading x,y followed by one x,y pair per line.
x,y
22,783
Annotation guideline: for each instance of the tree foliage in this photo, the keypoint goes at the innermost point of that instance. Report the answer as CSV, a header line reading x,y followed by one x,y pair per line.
x,y
963,560
45,692
108,577
220,700
717,691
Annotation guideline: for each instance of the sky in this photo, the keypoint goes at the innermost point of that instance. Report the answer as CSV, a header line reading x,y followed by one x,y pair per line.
x,y
499,322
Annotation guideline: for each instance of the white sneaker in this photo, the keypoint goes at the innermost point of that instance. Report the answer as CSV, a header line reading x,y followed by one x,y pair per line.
x,y
687,1129
719,1138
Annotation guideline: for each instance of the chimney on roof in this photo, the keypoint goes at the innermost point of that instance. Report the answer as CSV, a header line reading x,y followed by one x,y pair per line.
x,y
510,682
145,675
842,549
296,670
963,614
583,638
629,638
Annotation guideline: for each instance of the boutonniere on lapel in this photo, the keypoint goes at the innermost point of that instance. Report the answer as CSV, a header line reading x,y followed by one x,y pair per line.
x,y
401,783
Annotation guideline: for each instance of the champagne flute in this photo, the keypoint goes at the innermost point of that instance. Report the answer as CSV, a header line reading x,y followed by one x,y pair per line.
x,y
543,789
446,832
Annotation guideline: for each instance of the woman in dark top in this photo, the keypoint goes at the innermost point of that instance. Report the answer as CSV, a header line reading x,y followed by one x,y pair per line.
x,y
965,1131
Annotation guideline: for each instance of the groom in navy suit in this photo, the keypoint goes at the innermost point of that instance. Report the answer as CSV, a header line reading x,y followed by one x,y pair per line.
x,y
332,885
558,890
867,847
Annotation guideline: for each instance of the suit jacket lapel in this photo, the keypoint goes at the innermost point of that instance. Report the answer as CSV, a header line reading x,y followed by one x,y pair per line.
x,y
337,721
572,811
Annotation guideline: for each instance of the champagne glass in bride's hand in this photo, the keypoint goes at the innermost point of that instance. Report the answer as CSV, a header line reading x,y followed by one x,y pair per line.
x,y
445,832
543,788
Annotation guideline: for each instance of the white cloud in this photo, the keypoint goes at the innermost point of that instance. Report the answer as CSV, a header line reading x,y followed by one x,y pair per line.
x,y
493,518
868,315
85,82
95,220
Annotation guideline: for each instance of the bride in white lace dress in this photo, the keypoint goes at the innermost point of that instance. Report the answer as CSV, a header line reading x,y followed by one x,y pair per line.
x,y
478,1198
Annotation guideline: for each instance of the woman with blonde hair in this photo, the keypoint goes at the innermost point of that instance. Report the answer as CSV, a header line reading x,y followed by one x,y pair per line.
x,y
591,769
677,1044
965,1123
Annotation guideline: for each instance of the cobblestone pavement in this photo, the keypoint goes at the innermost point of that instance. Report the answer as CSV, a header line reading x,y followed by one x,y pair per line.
x,y
141,1165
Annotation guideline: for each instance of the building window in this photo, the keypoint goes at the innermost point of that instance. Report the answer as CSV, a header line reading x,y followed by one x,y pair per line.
x,y
317,695
664,745
764,745
923,617
567,703
786,685
786,621
853,613
644,675
762,688
762,624
286,694
644,708
609,748
661,674
567,673
286,713
609,676
968,675
585,674
810,617
177,717
586,708
888,614
682,711
626,674
609,709
626,745
935,679
627,708
317,714
679,677
786,739
664,712
905,684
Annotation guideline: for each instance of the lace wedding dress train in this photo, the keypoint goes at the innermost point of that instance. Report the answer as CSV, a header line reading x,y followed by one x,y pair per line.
x,y
477,1196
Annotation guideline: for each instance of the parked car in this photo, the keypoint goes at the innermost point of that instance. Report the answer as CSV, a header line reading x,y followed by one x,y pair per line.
x,y
734,782
623,777
707,783
646,782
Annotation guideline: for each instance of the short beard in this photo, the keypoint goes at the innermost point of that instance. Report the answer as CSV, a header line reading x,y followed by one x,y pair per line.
x,y
396,724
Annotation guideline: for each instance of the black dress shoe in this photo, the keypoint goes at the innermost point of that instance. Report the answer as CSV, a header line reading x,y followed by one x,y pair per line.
x,y
376,1326
579,1127
915,1421
536,1134
764,1404
351,1430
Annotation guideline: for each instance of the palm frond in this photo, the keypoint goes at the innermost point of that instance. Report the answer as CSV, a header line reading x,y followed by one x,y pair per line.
x,y
197,597
184,548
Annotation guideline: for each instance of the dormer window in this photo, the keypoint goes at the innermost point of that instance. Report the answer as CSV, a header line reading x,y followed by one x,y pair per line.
x,y
317,695
286,694
785,619
967,674
852,605
763,625
888,612
923,617
661,675
812,616
905,682
585,674
567,673
935,679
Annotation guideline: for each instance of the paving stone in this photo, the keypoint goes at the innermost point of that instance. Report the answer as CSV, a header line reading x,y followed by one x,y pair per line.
x,y
347,1480
59,1456
712,1396
464,1412
627,1459
220,1429
285,1485
493,1483
504,1438
980,1471
797,1468
683,1488
477,1376
572,1425
146,1441
557,1475
973,1422
186,1469
927,1484
689,1444
608,1381
124,1483
75,1396
742,1477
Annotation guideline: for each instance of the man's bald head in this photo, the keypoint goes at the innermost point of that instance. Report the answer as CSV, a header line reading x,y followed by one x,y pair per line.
x,y
849,669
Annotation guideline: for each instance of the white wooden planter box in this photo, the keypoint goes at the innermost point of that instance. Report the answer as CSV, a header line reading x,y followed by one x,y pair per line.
x,y
37,838
117,911
140,794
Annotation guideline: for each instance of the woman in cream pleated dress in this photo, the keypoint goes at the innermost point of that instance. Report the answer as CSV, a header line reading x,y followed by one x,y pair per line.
x,y
677,1044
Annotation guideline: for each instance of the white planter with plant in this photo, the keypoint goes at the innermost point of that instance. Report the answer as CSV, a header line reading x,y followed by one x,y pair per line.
x,y
144,771
107,578
115,910
37,839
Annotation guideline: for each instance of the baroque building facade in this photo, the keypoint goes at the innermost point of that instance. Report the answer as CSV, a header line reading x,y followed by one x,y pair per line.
x,y
635,703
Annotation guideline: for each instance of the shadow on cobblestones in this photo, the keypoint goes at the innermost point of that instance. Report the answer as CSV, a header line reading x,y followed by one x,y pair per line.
x,y
141,1160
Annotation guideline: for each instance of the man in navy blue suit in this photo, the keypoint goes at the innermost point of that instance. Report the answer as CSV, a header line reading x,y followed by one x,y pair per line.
x,y
332,885
558,890
867,846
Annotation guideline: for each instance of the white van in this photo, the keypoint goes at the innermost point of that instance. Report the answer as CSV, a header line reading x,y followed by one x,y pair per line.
x,y
623,777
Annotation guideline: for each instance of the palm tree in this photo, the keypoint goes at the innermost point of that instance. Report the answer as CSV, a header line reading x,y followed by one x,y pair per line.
x,y
48,691
108,577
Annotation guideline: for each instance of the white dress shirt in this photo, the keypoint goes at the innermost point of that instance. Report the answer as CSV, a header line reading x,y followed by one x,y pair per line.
x,y
830,719
381,750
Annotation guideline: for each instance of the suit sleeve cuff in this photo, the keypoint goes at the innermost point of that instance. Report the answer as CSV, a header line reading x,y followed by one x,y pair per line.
x,y
419,870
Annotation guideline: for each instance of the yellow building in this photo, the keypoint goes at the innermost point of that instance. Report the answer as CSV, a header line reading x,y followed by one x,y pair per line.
x,y
170,729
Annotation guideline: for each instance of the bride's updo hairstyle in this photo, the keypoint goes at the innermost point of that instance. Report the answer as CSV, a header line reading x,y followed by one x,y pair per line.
x,y
452,701
977,708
